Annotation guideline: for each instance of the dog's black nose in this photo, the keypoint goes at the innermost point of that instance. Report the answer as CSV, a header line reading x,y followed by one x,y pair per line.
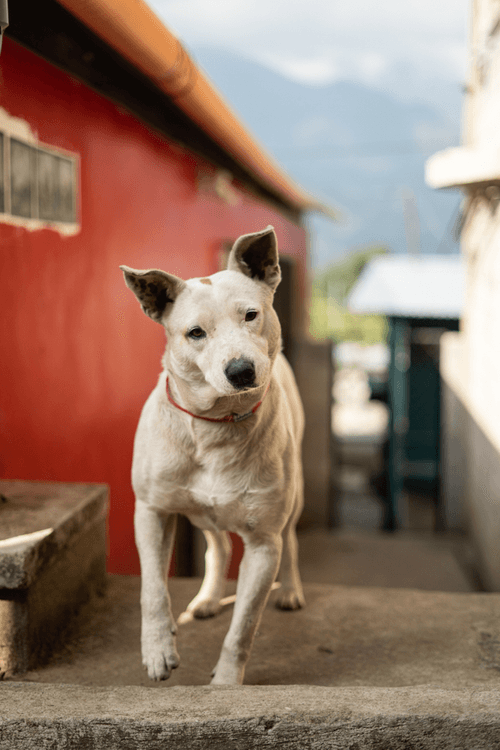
x,y
240,372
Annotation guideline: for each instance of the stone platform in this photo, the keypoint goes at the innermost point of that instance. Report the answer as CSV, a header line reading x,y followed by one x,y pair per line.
x,y
295,717
344,637
52,558
358,667
406,560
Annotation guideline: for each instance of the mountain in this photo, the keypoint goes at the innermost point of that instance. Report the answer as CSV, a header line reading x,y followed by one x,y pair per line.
x,y
357,148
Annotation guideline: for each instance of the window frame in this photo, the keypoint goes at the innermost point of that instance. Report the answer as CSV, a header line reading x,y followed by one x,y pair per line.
x,y
61,218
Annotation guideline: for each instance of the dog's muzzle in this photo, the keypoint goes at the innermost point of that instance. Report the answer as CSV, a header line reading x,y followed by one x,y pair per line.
x,y
240,373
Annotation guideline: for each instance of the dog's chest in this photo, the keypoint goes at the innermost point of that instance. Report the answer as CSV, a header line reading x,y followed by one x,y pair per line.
x,y
214,484
227,489
217,479
216,499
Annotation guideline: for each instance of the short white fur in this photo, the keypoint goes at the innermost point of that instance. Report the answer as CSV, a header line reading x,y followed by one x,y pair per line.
x,y
243,477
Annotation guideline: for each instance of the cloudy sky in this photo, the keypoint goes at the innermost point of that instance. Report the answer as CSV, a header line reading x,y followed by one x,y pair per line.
x,y
414,50
399,46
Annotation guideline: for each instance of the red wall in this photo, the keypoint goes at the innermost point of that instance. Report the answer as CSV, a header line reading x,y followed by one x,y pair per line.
x,y
78,356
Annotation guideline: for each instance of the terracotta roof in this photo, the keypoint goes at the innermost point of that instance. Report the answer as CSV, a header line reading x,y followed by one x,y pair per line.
x,y
133,30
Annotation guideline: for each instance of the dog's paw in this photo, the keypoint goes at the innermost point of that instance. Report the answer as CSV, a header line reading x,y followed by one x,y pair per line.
x,y
290,599
204,608
159,655
228,673
160,662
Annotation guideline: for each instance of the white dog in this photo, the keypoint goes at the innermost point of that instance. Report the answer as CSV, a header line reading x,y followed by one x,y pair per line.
x,y
218,441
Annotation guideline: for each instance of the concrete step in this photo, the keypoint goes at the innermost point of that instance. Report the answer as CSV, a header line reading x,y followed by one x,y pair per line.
x,y
366,667
52,558
343,637
356,557
296,717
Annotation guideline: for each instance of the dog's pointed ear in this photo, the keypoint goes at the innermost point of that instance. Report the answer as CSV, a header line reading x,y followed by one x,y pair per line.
x,y
256,255
154,289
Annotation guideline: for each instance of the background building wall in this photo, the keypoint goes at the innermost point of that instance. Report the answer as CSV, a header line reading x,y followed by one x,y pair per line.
x,y
79,357
476,381
455,423
481,377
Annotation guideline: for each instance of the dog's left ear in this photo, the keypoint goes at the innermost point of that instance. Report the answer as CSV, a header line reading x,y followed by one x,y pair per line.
x,y
256,255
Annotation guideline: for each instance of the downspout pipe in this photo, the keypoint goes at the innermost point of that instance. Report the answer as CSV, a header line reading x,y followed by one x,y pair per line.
x,y
4,19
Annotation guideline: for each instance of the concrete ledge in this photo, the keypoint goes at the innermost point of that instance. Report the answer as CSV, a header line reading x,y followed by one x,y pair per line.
x,y
52,559
463,166
39,520
379,668
344,637
295,717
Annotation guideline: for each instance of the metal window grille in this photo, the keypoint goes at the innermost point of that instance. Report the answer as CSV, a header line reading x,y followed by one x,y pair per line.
x,y
38,184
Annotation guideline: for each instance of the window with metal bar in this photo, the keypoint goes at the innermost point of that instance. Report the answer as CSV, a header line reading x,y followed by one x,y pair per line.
x,y
39,183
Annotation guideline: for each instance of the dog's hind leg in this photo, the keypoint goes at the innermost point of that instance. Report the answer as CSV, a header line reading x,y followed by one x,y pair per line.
x,y
154,535
291,595
207,601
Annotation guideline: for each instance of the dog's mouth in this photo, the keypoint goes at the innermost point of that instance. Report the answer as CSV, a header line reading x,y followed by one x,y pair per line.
x,y
247,389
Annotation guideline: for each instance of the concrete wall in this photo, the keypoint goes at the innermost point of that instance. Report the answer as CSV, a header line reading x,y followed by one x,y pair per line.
x,y
313,365
453,435
471,369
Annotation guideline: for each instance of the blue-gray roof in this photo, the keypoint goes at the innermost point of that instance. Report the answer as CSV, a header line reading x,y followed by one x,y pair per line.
x,y
422,286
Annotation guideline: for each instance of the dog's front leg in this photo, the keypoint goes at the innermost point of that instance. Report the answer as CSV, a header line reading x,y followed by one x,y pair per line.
x,y
258,570
154,535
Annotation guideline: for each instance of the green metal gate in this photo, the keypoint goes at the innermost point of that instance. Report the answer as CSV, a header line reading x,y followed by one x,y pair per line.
x,y
413,461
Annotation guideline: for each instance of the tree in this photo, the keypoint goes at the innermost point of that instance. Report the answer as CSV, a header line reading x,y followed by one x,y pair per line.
x,y
330,317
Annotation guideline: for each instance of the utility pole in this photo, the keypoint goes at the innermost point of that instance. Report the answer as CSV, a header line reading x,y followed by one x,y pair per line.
x,y
412,223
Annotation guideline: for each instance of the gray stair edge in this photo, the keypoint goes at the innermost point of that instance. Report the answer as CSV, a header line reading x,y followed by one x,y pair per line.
x,y
296,716
19,568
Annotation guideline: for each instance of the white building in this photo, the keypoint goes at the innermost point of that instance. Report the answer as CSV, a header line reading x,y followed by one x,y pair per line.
x,y
471,359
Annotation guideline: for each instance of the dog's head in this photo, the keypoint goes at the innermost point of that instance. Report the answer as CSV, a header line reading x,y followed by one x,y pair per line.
x,y
222,331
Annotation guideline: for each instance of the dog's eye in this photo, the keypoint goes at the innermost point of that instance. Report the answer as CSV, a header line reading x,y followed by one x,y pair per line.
x,y
196,333
251,315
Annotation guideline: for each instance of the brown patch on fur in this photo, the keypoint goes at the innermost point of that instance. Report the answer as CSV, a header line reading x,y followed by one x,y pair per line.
x,y
206,281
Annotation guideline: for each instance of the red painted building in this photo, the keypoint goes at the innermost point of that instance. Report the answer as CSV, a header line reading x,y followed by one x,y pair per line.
x,y
105,159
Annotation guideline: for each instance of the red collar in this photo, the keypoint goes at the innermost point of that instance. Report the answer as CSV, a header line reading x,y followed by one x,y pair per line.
x,y
227,418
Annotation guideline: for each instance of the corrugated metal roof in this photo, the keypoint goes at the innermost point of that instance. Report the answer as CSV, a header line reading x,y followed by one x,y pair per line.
x,y
423,286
